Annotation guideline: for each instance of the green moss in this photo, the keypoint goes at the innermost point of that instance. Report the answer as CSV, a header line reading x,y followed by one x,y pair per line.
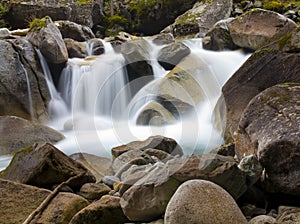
x,y
38,24
117,20
280,5
3,12
284,40
83,2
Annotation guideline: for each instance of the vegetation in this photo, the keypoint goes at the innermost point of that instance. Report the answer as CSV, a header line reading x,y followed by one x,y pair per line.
x,y
3,12
280,5
37,24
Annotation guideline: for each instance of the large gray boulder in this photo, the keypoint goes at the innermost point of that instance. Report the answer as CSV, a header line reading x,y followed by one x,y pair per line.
x,y
259,27
200,201
275,64
49,40
147,199
170,55
17,134
200,18
222,170
45,166
270,129
23,88
75,48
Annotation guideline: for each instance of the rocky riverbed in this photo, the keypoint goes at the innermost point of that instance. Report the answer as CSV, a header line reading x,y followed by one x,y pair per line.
x,y
254,177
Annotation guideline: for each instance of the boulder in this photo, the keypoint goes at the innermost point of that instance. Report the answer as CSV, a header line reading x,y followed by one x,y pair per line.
x,y
200,18
107,210
62,208
147,199
74,31
257,74
17,134
75,49
165,144
200,201
259,27
97,165
170,55
23,89
222,170
18,201
49,40
85,13
95,47
218,37
45,166
288,215
269,127
252,167
137,58
225,150
94,191
263,219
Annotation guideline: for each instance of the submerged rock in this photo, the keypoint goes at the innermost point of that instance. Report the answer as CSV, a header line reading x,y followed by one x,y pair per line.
x,y
269,128
17,134
200,201
45,166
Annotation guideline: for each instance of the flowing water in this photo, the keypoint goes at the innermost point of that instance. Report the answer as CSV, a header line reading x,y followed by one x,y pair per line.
x,y
95,110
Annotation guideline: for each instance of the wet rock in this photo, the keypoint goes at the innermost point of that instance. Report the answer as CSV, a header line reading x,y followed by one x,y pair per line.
x,y
269,128
94,191
97,165
225,150
74,31
75,49
147,199
62,208
200,18
170,55
218,38
221,170
200,201
263,219
259,27
50,42
45,166
96,47
107,210
256,75
18,201
19,62
17,134
165,144
163,38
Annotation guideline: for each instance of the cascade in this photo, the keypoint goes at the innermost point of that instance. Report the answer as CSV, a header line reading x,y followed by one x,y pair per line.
x,y
57,106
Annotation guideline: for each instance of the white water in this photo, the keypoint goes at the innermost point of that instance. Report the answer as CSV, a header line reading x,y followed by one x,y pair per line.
x,y
101,114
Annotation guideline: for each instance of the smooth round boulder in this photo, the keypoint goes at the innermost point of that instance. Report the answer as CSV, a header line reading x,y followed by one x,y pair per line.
x,y
200,201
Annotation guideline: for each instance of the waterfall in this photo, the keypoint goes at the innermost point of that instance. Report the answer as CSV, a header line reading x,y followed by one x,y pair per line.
x,y
56,107
28,90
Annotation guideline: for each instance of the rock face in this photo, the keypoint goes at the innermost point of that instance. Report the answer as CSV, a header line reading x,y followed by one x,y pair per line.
x,y
221,170
12,194
62,208
45,166
87,14
107,210
19,62
147,199
74,31
200,18
257,74
269,128
258,28
200,201
49,41
170,55
289,216
17,134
